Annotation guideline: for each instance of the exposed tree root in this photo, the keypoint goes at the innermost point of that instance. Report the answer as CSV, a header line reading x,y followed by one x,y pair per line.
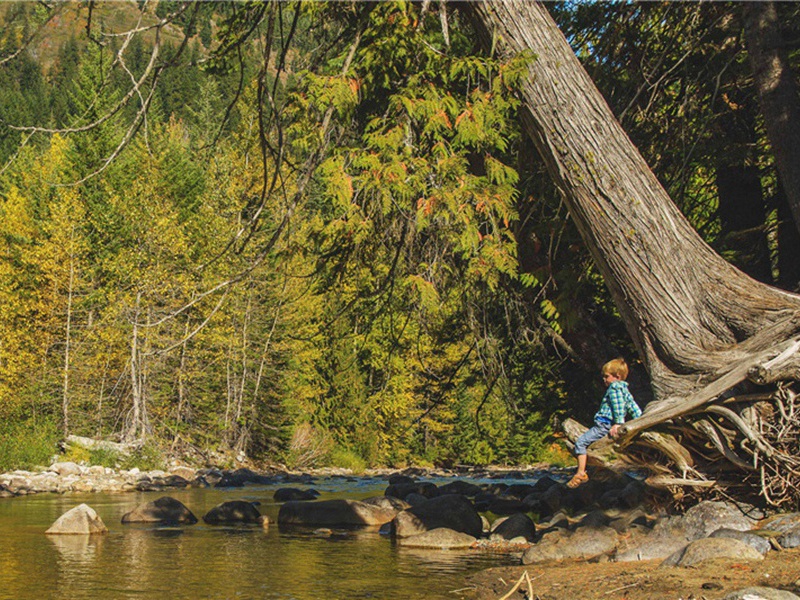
x,y
719,441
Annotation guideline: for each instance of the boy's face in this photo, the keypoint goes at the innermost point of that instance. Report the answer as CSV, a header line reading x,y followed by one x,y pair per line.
x,y
608,379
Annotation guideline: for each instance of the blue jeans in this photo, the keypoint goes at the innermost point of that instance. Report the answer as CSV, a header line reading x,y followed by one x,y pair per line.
x,y
598,432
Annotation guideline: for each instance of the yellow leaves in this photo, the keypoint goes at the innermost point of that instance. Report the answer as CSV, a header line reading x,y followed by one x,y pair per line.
x,y
426,292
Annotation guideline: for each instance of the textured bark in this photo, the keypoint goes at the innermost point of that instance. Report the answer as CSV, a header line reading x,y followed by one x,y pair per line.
x,y
690,313
704,329
777,91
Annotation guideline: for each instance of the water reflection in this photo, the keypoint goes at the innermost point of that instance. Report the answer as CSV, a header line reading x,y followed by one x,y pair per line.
x,y
77,550
147,561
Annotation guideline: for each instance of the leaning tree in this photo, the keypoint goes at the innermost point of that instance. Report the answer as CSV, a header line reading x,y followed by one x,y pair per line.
x,y
722,350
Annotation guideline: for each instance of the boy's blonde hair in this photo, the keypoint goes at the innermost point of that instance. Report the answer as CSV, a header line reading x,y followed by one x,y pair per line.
x,y
617,367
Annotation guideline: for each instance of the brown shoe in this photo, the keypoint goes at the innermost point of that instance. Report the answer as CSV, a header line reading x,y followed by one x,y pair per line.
x,y
578,479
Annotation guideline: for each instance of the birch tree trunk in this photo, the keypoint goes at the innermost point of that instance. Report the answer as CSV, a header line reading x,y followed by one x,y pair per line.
x,y
700,325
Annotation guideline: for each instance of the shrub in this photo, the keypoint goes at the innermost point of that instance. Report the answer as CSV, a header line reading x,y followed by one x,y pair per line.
x,y
24,445
347,459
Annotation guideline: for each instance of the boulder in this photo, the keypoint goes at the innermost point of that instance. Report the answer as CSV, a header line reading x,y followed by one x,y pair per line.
x,y
233,511
674,533
465,488
402,490
707,548
442,538
518,491
761,593
506,506
333,513
66,468
782,523
585,543
451,511
289,494
753,540
81,520
387,502
163,510
515,526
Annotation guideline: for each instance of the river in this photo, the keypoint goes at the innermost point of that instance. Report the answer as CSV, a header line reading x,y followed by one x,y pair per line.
x,y
203,561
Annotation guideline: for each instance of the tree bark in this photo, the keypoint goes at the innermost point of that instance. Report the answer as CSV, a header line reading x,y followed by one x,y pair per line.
x,y
777,92
690,313
703,328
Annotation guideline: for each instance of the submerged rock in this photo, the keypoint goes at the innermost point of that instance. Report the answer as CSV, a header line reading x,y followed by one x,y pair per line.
x,y
442,538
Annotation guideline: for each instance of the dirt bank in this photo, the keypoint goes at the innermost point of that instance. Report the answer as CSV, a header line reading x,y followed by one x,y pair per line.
x,y
711,580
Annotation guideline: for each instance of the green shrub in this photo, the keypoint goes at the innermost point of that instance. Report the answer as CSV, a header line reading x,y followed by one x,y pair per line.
x,y
147,458
24,445
347,459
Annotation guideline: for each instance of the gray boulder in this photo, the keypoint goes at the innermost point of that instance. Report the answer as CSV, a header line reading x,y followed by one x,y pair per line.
x,y
585,543
163,510
753,540
451,511
707,548
403,490
387,502
465,488
335,513
674,533
66,468
81,520
513,527
233,511
289,494
442,538
761,593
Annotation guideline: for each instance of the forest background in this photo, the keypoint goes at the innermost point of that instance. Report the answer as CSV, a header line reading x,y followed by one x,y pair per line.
x,y
315,234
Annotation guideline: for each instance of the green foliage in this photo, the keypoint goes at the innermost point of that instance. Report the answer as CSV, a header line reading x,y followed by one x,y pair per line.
x,y
344,458
27,443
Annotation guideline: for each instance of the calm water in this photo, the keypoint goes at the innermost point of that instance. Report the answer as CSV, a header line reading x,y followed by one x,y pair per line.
x,y
201,561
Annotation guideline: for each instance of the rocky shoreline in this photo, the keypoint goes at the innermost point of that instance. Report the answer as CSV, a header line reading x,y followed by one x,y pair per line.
x,y
606,521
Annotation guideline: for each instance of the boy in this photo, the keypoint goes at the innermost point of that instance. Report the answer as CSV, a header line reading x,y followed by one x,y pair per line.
x,y
616,404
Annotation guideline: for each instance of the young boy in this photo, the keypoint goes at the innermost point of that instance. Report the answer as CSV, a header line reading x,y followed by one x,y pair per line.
x,y
616,404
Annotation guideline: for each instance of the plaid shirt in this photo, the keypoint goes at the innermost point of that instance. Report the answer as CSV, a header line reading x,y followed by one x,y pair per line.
x,y
617,403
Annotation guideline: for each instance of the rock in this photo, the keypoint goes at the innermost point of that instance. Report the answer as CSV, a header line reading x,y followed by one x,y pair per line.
x,y
441,537
707,548
790,539
288,494
585,543
673,534
333,513
464,488
451,511
387,502
400,478
506,506
414,499
782,523
233,511
163,510
81,520
187,473
753,540
518,491
515,526
66,468
402,490
761,593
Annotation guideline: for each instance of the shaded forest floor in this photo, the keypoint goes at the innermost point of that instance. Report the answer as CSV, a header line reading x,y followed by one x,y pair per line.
x,y
646,580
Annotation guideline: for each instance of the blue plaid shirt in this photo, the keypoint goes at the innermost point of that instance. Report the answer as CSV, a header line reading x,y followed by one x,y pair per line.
x,y
617,403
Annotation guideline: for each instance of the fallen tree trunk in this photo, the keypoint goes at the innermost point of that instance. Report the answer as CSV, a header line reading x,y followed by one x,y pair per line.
x,y
703,329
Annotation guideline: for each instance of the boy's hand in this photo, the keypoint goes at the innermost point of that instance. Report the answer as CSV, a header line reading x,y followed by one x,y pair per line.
x,y
614,430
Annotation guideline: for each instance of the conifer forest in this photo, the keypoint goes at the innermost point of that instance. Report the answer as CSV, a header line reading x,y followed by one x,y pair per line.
x,y
323,233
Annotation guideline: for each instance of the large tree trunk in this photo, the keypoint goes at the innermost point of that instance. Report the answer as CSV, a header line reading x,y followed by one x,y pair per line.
x,y
777,92
699,324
